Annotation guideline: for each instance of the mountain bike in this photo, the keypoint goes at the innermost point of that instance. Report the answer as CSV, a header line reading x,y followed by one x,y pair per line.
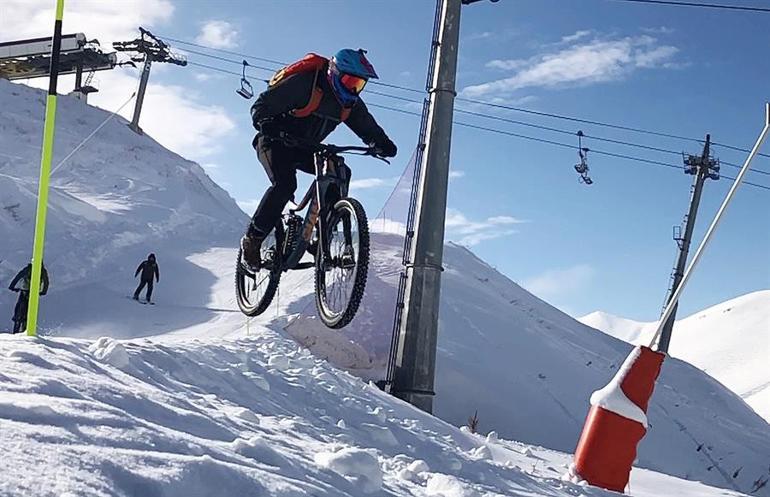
x,y
334,231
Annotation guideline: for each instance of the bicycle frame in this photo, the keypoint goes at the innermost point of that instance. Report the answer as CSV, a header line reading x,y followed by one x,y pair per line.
x,y
331,183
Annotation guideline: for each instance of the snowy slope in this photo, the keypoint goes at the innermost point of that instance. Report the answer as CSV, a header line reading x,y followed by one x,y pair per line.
x,y
253,416
529,370
729,341
120,197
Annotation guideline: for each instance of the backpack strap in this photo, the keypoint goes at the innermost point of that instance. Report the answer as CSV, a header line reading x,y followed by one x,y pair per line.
x,y
315,100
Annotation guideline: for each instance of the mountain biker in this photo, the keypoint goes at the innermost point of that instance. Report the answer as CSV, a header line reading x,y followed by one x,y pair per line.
x,y
23,279
309,105
149,268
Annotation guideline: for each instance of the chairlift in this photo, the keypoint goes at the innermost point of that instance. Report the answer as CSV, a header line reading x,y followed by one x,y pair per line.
x,y
246,90
582,166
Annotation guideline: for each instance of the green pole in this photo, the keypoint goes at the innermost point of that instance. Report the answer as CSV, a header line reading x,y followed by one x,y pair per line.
x,y
45,172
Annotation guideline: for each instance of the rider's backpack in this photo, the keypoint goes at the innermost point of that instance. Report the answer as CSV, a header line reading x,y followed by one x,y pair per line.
x,y
310,62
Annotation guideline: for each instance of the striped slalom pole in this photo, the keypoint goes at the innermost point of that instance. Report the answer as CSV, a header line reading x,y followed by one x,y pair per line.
x,y
45,172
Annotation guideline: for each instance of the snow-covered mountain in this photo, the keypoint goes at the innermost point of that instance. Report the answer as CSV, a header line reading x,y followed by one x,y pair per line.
x,y
167,411
729,341
118,198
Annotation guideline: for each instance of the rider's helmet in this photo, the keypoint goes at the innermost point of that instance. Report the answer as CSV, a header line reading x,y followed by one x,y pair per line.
x,y
349,70
151,257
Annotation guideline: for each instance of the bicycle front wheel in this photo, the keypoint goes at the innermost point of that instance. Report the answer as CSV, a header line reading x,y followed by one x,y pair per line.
x,y
340,274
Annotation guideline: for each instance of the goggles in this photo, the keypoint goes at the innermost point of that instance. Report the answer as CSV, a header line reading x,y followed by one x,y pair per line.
x,y
352,83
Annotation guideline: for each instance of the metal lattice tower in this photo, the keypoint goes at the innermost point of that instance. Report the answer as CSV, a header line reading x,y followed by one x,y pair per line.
x,y
703,167
152,49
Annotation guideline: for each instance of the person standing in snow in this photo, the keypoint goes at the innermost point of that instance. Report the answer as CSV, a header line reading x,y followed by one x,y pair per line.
x,y
21,284
149,269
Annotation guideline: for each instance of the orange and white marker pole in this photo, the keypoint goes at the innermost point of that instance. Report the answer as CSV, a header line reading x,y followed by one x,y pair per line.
x,y
617,420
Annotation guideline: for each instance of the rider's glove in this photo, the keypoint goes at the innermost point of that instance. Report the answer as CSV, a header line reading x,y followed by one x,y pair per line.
x,y
267,127
385,148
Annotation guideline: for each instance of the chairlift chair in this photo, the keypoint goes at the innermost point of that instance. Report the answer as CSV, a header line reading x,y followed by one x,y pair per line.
x,y
246,90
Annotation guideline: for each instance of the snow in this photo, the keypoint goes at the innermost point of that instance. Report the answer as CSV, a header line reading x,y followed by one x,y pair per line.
x,y
358,466
612,398
189,397
729,341
180,420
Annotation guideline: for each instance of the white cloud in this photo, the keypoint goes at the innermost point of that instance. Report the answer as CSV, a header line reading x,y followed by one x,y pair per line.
x,y
506,65
467,232
576,36
218,34
580,64
173,115
479,36
106,21
360,184
207,76
456,174
558,282
660,30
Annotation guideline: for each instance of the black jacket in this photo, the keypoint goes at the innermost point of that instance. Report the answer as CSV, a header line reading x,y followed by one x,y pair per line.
x,y
148,269
25,277
294,93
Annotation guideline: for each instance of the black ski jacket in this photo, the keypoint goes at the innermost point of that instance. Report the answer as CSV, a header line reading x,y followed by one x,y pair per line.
x,y
274,104
148,269
25,277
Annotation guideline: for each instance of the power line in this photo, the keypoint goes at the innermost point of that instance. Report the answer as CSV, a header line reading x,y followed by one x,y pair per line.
x,y
556,143
526,137
463,99
232,61
700,4
225,71
562,131
239,54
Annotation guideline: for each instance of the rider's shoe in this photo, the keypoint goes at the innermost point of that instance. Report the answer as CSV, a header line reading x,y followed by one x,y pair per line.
x,y
348,257
251,245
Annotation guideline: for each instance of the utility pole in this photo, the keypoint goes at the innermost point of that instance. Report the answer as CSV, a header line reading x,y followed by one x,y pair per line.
x,y
140,94
703,167
415,360
154,50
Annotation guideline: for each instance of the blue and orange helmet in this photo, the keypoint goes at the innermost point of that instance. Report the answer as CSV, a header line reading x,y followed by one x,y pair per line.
x,y
349,70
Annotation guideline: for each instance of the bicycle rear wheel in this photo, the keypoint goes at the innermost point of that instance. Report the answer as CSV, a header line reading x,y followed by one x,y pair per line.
x,y
341,268
255,291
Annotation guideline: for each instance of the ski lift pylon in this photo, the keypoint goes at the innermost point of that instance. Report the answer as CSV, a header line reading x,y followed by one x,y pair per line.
x,y
246,90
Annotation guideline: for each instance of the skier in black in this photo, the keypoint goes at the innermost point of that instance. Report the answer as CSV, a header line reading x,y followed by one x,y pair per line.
x,y
23,280
148,268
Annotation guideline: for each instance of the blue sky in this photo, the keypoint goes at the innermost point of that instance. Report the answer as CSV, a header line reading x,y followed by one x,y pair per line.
x,y
677,70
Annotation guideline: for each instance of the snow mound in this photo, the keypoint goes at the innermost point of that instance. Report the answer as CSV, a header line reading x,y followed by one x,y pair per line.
x,y
357,465
110,351
180,419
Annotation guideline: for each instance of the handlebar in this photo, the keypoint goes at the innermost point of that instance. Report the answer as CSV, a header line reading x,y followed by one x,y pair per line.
x,y
329,148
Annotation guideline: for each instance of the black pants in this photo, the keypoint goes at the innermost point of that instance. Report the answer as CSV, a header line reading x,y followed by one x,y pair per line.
x,y
281,164
20,312
142,283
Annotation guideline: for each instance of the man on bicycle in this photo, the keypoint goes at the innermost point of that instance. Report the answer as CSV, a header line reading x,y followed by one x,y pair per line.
x,y
306,100
21,284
